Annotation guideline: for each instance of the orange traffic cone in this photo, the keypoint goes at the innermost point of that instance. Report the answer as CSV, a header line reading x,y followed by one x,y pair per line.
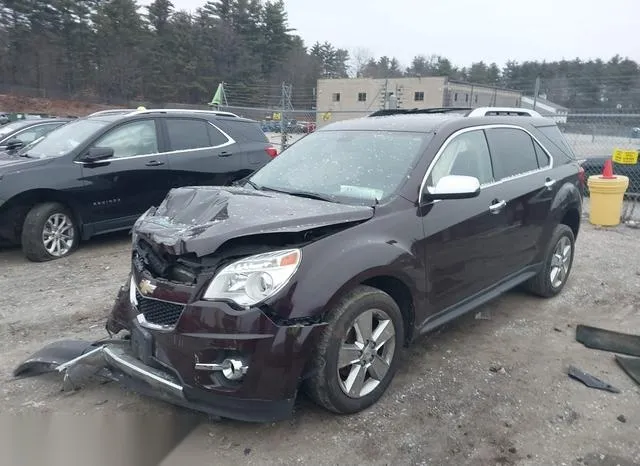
x,y
607,171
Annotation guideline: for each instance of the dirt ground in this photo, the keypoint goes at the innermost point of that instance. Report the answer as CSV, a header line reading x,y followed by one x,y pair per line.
x,y
488,389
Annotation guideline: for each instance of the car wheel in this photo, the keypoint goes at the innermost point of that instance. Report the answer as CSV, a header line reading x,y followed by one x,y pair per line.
x,y
49,232
358,352
557,264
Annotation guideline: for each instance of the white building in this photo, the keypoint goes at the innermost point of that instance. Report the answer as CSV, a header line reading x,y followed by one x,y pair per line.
x,y
547,109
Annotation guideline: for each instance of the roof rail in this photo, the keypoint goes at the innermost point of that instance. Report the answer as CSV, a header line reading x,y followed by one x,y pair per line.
x,y
184,110
413,111
503,111
114,111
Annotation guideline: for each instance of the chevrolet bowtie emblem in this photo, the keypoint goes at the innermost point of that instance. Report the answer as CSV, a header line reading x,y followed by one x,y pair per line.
x,y
146,287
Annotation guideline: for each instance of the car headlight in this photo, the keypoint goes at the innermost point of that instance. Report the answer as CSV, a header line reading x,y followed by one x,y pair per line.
x,y
254,279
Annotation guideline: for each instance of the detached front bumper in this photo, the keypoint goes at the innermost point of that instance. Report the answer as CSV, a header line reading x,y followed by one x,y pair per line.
x,y
187,363
125,367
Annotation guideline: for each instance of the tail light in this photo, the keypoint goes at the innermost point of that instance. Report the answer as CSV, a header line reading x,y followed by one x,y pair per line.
x,y
271,151
581,176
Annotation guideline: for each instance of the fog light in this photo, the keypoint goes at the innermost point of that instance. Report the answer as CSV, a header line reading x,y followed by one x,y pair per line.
x,y
233,369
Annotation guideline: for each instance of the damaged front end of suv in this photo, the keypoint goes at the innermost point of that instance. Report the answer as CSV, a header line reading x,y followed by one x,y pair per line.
x,y
200,323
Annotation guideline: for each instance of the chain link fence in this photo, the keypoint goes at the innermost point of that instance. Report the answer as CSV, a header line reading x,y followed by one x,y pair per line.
x,y
596,138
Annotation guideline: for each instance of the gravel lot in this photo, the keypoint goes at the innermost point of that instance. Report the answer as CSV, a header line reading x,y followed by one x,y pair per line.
x,y
490,390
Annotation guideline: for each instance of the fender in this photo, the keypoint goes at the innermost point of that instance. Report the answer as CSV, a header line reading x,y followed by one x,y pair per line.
x,y
567,198
351,263
14,210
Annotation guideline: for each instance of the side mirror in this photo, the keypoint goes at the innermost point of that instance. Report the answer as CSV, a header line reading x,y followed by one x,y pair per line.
x,y
454,187
96,154
14,145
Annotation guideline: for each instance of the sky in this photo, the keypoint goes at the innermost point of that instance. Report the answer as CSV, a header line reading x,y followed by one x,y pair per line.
x,y
467,31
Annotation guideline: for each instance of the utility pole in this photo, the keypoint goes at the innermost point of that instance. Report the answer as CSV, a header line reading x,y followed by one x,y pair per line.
x,y
283,134
536,92
285,105
385,105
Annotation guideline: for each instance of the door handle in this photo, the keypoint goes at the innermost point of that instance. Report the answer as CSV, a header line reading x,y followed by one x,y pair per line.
x,y
224,154
154,163
497,206
549,183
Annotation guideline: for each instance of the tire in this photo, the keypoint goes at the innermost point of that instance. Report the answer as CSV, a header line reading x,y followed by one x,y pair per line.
x,y
326,385
33,232
542,284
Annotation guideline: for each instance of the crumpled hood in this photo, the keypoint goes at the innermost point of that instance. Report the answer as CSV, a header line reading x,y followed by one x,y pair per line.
x,y
200,219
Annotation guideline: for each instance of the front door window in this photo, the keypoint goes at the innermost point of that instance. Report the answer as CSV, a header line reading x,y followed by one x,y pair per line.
x,y
131,139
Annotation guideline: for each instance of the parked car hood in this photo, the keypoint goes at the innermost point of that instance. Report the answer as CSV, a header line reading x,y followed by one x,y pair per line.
x,y
11,162
200,219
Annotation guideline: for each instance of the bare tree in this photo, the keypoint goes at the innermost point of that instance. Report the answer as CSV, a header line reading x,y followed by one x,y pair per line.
x,y
360,56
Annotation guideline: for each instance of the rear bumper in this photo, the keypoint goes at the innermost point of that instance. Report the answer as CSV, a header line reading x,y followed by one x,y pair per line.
x,y
162,362
128,369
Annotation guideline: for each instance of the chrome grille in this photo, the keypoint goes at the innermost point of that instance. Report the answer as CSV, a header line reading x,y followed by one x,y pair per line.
x,y
159,312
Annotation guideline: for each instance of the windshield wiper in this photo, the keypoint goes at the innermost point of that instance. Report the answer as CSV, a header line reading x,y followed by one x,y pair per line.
x,y
253,185
307,194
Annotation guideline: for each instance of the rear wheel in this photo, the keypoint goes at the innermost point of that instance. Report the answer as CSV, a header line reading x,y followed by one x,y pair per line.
x,y
557,264
49,232
358,353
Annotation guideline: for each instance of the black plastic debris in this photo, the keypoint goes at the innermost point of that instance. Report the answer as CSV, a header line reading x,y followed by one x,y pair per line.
x,y
607,340
590,380
47,359
631,366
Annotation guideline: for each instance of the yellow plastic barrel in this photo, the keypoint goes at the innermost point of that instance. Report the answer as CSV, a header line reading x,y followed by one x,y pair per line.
x,y
606,199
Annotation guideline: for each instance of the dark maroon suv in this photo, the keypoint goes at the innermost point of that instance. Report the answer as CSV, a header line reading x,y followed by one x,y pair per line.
x,y
325,263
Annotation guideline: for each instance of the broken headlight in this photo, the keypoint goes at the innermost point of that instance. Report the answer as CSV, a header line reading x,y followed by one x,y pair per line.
x,y
254,279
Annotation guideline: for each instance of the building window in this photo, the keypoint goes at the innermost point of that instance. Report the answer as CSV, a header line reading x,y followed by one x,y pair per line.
x,y
336,97
362,96
466,97
418,96
455,97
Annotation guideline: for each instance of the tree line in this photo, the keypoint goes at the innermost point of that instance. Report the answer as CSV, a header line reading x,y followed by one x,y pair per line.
x,y
116,51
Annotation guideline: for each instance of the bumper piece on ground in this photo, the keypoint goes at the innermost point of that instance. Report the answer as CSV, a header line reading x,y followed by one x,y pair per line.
x,y
52,356
631,366
591,381
608,340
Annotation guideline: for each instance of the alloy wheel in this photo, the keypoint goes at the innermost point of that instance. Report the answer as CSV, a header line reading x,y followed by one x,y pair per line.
x,y
58,235
366,353
560,262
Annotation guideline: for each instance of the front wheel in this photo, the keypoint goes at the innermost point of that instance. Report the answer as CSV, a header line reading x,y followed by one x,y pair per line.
x,y
49,232
558,261
358,353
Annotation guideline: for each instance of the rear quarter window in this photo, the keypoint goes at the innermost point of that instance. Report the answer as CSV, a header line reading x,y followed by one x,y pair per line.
x,y
555,138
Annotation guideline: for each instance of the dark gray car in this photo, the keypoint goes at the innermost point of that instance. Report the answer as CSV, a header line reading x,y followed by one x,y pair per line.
x,y
100,173
19,133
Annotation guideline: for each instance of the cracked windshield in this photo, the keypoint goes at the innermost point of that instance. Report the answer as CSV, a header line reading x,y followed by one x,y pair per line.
x,y
341,232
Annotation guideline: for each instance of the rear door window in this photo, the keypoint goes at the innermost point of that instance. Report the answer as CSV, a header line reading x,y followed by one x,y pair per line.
x,y
543,158
185,134
512,152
